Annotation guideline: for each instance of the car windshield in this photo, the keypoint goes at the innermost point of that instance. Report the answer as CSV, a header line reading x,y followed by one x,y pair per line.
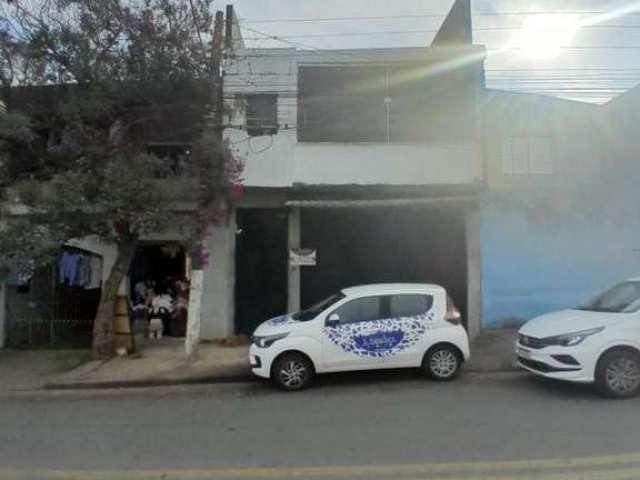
x,y
312,312
622,298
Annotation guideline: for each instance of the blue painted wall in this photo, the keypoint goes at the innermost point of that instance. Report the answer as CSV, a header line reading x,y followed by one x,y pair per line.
x,y
553,254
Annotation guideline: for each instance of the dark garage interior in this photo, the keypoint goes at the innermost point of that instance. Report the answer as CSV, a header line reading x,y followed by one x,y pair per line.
x,y
391,244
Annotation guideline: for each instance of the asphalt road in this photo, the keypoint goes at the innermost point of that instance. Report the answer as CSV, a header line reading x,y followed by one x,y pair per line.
x,y
390,425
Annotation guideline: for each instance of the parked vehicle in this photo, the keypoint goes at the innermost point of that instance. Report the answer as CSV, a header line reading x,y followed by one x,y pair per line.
x,y
598,342
363,328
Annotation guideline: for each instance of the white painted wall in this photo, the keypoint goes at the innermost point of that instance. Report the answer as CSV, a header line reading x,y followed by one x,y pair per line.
x,y
218,283
392,164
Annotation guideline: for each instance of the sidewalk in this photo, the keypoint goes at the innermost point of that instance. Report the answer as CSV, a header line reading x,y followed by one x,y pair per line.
x,y
162,362
25,370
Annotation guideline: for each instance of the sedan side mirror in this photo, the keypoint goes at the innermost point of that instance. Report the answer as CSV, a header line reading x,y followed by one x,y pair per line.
x,y
332,320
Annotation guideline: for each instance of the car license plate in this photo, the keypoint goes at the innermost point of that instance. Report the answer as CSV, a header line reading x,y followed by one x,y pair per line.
x,y
524,353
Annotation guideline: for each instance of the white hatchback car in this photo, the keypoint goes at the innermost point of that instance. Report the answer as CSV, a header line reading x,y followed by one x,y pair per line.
x,y
596,342
363,328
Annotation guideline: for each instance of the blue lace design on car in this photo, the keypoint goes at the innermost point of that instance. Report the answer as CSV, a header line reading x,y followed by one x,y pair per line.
x,y
281,320
379,338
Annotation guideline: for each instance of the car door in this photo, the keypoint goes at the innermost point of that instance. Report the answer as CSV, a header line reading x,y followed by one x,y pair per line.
x,y
413,315
350,344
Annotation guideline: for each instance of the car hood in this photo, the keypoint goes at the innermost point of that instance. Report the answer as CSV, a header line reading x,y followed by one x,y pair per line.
x,y
275,325
567,321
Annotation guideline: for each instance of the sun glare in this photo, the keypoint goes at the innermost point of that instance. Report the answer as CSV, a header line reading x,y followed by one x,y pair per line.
x,y
542,37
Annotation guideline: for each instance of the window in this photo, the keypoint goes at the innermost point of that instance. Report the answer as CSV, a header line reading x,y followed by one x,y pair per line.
x,y
384,104
262,114
622,298
409,305
528,156
360,310
176,158
312,312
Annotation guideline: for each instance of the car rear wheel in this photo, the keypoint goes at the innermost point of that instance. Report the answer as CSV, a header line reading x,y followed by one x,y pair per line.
x,y
442,363
292,371
618,374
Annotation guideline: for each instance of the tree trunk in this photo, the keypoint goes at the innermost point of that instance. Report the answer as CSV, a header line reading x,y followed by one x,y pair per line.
x,y
103,346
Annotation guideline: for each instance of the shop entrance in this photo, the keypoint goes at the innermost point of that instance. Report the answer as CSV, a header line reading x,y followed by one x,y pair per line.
x,y
261,267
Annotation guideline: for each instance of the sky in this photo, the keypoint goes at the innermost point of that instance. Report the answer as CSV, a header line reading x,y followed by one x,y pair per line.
x,y
599,62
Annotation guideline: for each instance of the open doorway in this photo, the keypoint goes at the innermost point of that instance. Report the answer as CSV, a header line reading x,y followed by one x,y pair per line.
x,y
158,288
261,267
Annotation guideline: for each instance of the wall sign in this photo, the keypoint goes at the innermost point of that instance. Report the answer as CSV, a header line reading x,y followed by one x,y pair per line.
x,y
302,257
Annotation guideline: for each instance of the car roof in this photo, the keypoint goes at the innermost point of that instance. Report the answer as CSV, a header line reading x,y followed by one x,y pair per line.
x,y
376,288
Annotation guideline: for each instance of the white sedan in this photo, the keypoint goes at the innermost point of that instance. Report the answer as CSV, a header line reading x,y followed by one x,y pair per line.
x,y
598,342
363,328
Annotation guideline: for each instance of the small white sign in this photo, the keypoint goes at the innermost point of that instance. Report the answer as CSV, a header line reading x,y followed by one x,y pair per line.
x,y
302,257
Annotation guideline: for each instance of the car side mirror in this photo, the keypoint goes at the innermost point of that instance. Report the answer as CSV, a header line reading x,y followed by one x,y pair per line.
x,y
332,320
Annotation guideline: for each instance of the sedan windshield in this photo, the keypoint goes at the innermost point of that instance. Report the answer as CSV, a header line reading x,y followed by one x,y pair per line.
x,y
312,312
622,298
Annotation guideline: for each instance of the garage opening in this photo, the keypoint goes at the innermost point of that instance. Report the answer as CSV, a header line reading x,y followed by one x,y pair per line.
x,y
261,267
387,244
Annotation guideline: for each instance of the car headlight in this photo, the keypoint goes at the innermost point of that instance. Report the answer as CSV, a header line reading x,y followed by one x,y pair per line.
x,y
572,339
268,340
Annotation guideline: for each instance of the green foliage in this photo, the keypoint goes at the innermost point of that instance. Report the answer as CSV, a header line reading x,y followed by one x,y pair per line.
x,y
87,83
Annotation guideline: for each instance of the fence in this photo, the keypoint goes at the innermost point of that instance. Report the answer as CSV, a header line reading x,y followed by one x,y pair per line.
x,y
48,333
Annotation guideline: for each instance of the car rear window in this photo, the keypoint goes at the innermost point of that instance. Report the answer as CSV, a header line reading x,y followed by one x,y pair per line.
x,y
409,305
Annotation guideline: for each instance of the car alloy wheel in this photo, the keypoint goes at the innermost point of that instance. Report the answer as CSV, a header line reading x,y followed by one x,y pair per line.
x,y
618,373
293,372
442,363
623,375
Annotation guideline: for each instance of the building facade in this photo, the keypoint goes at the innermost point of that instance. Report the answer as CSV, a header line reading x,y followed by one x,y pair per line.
x,y
558,222
369,158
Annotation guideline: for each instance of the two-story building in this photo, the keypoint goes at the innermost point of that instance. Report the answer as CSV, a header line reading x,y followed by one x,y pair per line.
x,y
368,158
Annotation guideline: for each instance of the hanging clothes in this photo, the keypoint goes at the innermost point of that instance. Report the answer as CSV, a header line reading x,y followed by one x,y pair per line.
x,y
68,267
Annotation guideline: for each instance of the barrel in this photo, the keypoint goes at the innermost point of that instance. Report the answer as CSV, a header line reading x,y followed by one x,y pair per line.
x,y
123,335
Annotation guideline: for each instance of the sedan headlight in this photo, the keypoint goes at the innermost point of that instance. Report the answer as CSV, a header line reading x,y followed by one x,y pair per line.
x,y
572,339
268,340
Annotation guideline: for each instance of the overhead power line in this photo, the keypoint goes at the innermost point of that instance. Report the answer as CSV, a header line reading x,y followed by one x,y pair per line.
x,y
428,15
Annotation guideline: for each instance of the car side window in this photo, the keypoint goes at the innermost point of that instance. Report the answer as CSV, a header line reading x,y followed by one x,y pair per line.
x,y
359,310
409,305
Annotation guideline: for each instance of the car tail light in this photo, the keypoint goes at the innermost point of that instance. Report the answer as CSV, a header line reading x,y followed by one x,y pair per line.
x,y
453,314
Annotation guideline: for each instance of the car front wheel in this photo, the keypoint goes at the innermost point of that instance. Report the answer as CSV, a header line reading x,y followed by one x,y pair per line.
x,y
292,371
618,374
442,363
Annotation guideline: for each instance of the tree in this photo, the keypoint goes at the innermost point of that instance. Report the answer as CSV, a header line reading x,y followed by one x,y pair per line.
x,y
82,81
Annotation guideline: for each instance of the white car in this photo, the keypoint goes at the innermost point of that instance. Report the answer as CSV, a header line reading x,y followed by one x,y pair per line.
x,y
363,328
598,342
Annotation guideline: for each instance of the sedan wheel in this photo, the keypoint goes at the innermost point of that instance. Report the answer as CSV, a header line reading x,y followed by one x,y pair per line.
x,y
442,363
293,372
618,374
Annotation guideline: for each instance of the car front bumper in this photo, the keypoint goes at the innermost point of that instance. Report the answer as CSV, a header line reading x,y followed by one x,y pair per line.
x,y
573,364
260,361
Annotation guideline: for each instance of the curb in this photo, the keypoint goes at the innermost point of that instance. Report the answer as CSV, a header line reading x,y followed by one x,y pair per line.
x,y
239,378
113,384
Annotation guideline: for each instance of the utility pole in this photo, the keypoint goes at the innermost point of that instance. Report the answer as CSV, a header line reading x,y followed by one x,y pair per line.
x,y
205,176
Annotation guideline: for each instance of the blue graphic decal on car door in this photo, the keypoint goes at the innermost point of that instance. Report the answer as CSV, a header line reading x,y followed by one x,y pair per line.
x,y
379,338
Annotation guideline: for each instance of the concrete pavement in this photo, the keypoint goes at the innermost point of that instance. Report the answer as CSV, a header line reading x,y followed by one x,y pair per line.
x,y
162,362
373,425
